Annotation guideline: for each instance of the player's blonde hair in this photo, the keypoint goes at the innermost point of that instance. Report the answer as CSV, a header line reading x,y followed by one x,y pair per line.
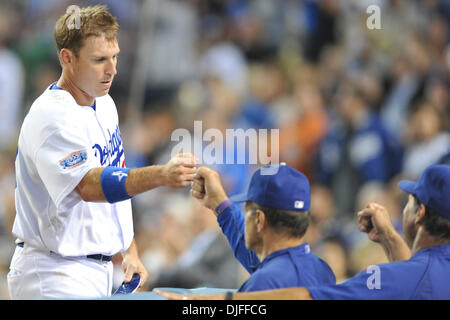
x,y
93,21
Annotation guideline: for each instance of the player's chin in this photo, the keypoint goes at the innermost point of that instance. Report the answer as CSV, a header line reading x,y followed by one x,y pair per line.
x,y
102,91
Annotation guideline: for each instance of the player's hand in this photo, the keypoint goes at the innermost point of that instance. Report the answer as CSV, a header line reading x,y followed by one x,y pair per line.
x,y
131,264
376,222
207,188
179,171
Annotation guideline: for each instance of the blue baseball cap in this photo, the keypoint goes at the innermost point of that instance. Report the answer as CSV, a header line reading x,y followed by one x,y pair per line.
x,y
432,188
286,188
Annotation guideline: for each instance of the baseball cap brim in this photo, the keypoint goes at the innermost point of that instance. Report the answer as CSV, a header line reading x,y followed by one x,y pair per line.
x,y
408,186
242,197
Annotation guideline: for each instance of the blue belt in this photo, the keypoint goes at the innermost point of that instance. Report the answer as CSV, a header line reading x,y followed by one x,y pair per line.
x,y
99,257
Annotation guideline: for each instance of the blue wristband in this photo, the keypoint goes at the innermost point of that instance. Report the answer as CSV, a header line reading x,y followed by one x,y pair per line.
x,y
113,180
222,206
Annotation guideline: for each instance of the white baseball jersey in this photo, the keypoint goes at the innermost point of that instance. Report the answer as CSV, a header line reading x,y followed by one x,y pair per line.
x,y
59,142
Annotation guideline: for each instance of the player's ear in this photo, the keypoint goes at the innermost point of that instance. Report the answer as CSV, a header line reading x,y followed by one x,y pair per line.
x,y
260,220
420,214
66,57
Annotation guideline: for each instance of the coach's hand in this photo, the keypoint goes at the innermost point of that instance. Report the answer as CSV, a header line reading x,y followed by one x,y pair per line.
x,y
208,189
376,222
179,171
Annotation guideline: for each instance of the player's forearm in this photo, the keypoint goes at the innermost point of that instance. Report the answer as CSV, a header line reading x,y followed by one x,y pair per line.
x,y
143,179
132,250
279,294
395,247
137,181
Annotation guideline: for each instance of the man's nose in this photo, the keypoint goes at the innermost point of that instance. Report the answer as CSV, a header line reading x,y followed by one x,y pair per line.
x,y
111,68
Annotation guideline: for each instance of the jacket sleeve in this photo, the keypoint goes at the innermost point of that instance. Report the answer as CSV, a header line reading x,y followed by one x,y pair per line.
x,y
232,223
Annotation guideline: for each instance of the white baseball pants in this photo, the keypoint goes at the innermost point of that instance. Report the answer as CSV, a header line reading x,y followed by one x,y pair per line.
x,y
37,274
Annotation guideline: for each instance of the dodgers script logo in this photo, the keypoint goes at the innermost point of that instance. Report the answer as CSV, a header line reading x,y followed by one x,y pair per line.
x,y
112,151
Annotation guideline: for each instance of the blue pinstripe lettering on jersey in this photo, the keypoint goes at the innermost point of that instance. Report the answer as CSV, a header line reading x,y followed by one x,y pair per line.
x,y
112,150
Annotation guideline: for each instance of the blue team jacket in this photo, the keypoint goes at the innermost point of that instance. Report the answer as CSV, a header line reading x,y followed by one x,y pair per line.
x,y
425,276
292,267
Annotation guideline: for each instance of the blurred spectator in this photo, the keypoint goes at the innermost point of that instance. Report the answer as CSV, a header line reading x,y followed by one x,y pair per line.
x,y
265,87
225,61
438,37
206,259
407,81
358,149
437,94
162,230
336,255
321,21
326,234
322,213
12,82
7,212
172,37
428,139
331,72
300,138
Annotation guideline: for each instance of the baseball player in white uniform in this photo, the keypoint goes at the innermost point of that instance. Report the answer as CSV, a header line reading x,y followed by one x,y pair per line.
x,y
73,188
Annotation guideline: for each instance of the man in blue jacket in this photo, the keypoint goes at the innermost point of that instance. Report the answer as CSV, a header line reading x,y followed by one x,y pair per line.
x,y
268,241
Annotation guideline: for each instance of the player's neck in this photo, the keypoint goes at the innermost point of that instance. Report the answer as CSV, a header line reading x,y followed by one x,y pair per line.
x,y
81,97
276,243
424,240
